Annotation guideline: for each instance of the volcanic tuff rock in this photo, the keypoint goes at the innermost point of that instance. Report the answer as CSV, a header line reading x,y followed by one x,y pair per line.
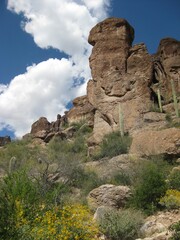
x,y
125,80
128,77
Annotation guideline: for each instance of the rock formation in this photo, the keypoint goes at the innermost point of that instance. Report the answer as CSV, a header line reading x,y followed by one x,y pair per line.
x,y
125,80
166,64
82,110
127,76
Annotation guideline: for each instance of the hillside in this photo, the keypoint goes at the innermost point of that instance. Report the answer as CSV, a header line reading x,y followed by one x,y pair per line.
x,y
115,155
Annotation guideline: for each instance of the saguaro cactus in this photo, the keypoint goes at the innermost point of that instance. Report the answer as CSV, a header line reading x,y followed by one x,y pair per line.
x,y
121,121
175,98
159,100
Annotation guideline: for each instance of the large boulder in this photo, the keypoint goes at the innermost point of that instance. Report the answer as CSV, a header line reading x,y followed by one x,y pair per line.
x,y
151,142
40,128
108,195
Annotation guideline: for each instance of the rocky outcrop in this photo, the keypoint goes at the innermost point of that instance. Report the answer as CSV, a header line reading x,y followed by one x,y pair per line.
x,y
166,64
108,195
43,129
82,110
121,75
124,84
42,125
151,142
4,140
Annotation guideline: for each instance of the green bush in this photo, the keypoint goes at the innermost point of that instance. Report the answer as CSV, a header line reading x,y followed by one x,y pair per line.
x,y
176,231
171,199
21,153
149,188
121,178
114,144
174,180
122,224
16,187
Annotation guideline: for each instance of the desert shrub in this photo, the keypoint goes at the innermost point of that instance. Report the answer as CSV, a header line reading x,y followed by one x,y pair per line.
x,y
171,199
149,188
90,182
69,222
176,231
21,154
21,197
122,224
114,144
79,146
76,148
121,178
16,188
174,180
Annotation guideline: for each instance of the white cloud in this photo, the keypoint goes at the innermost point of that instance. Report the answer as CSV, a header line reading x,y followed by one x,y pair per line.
x,y
3,87
41,91
46,88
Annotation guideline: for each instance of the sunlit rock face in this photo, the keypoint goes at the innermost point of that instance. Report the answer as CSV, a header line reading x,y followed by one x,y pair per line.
x,y
121,75
167,68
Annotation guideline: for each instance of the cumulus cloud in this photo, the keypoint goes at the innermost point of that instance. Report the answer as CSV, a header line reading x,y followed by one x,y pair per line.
x,y
46,88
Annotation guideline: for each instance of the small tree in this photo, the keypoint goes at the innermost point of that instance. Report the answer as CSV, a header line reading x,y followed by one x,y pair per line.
x,y
150,187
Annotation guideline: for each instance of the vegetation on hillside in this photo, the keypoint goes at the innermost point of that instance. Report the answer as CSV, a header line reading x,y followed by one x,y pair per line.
x,y
43,193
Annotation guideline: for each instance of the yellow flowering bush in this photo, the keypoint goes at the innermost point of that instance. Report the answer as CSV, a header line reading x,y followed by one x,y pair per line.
x,y
171,199
69,223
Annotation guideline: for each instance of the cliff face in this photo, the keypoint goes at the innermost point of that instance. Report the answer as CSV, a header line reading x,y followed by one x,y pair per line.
x,y
128,76
125,77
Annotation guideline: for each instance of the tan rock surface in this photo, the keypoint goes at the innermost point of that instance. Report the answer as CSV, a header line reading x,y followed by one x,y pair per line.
x,y
165,141
82,110
167,68
156,226
121,74
40,125
108,195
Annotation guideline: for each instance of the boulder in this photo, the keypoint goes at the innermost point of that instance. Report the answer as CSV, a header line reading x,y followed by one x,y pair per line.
x,y
153,142
41,125
82,110
156,227
108,195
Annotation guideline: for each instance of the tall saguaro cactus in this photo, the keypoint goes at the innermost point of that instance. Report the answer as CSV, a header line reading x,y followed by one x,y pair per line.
x,y
174,98
159,100
121,121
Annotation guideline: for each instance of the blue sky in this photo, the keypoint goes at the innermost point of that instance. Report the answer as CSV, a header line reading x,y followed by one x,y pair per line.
x,y
42,60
